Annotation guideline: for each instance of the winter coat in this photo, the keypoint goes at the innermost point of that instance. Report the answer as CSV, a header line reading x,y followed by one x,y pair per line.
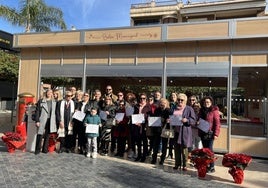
x,y
185,131
42,116
95,119
212,116
121,129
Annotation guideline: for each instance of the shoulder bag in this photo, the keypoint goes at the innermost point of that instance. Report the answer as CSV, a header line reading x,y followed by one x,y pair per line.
x,y
167,133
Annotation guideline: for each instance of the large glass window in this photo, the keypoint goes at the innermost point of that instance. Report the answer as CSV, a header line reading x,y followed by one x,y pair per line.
x,y
249,101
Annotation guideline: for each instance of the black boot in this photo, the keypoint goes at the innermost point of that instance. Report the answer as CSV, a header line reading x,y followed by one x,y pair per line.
x,y
38,144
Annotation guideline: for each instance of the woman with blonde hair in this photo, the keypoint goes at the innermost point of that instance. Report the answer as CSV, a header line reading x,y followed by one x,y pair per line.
x,y
183,132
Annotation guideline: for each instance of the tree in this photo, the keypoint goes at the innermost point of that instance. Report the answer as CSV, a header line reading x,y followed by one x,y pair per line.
x,y
9,67
34,15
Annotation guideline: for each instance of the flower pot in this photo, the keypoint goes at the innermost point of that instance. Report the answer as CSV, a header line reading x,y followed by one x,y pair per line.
x,y
52,142
237,174
202,171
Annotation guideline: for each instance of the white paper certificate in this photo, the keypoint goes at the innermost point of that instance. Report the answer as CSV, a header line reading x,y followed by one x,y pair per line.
x,y
103,115
203,125
137,118
79,115
175,120
119,116
154,121
92,128
129,110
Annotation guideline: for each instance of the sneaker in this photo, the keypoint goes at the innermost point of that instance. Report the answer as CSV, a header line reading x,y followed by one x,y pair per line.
x,y
94,155
88,155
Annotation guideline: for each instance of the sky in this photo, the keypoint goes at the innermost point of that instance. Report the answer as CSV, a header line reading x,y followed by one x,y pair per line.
x,y
84,14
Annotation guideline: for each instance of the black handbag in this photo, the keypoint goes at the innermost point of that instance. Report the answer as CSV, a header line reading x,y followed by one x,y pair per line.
x,y
208,136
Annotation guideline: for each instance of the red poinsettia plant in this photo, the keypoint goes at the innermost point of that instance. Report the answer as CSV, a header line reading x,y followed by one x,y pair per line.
x,y
201,158
14,141
237,164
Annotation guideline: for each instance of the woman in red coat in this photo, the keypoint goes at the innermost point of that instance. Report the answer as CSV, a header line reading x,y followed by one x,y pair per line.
x,y
210,113
121,130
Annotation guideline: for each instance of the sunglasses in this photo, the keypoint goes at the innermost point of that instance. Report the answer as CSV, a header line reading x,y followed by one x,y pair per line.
x,y
143,98
180,100
108,89
68,95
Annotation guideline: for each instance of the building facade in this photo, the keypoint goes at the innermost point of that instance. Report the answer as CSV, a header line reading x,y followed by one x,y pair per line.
x,y
227,59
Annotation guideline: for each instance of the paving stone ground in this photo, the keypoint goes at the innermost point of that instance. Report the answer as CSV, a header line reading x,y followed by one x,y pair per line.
x,y
26,170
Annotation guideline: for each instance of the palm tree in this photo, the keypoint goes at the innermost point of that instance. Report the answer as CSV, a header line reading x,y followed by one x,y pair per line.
x,y
34,15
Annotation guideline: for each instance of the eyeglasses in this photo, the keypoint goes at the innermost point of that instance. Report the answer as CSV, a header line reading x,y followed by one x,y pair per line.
x,y
120,95
180,100
68,95
143,98
108,89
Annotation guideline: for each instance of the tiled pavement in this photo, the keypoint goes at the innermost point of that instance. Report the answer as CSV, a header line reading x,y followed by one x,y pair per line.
x,y
26,170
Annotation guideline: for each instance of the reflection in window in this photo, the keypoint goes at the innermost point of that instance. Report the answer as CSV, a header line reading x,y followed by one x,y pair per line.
x,y
249,101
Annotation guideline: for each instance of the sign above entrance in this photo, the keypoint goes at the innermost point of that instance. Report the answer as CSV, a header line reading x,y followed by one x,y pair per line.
x,y
123,35
6,40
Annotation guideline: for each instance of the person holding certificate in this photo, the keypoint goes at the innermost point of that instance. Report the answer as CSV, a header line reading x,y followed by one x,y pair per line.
x,y
92,122
81,109
210,113
121,130
173,99
107,115
139,120
162,113
183,132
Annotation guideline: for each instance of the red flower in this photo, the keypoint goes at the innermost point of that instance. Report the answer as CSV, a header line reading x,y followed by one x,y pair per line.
x,y
201,158
237,163
13,141
238,160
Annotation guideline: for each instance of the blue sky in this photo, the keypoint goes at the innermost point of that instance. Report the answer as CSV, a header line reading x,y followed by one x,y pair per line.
x,y
84,14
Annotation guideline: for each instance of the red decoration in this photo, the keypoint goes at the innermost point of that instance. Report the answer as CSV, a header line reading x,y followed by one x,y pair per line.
x,y
201,158
52,142
237,164
14,141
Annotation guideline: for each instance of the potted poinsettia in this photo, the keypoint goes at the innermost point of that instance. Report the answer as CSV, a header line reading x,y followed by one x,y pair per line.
x,y
14,141
200,159
237,164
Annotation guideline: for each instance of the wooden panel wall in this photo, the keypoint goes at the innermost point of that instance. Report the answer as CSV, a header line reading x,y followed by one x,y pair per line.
x,y
249,146
51,55
150,53
180,48
46,39
218,46
251,27
73,55
98,55
180,59
198,31
221,143
213,58
250,59
254,45
28,76
123,54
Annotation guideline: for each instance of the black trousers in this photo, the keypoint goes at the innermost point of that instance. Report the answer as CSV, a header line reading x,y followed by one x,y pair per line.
x,y
46,139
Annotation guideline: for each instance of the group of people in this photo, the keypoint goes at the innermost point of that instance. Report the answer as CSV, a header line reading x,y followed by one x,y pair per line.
x,y
122,123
